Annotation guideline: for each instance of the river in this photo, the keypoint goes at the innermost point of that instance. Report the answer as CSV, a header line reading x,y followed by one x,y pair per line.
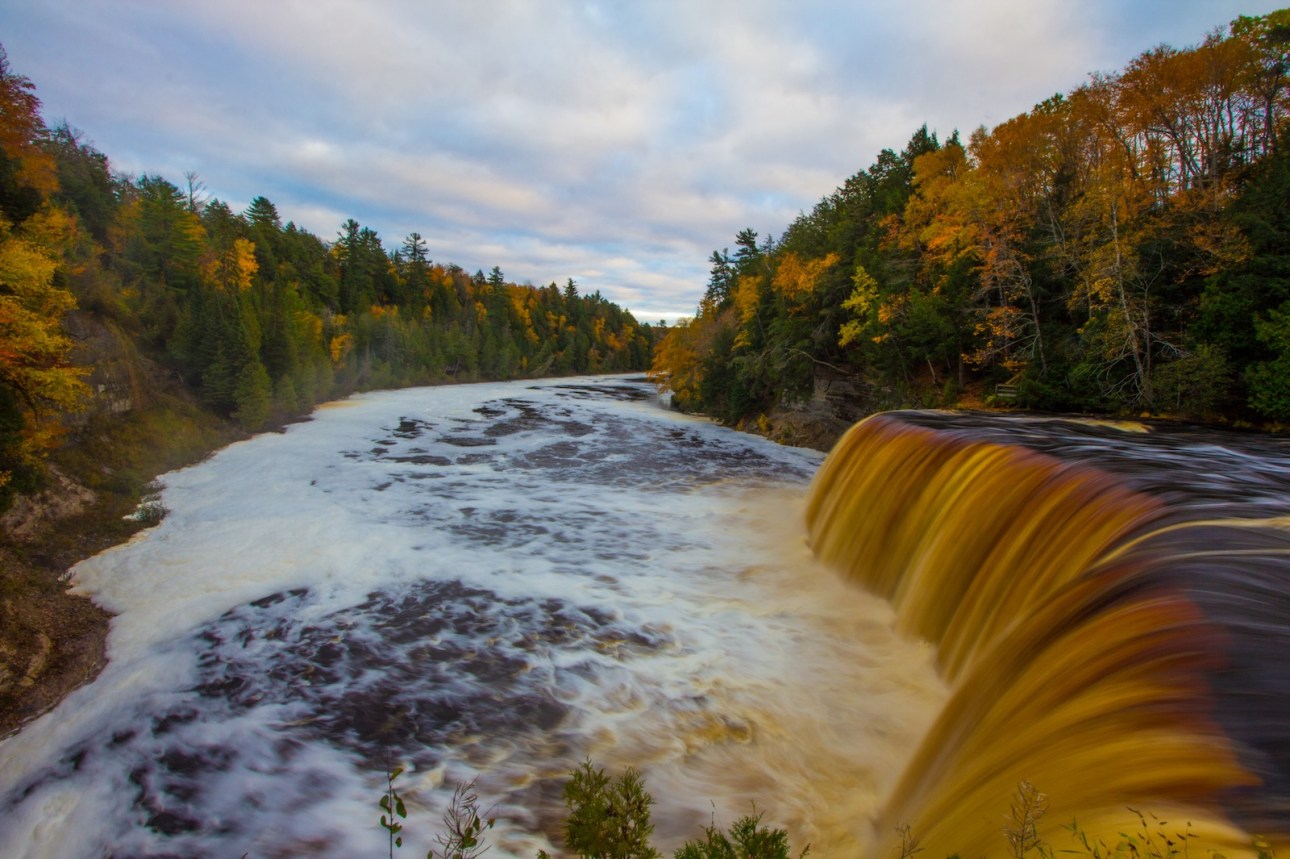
x,y
488,582
1110,603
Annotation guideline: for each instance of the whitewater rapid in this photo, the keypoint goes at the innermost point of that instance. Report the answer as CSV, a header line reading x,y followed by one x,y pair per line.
x,y
486,582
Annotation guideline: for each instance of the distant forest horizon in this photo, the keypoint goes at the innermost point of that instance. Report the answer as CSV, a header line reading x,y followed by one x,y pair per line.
x,y
261,320
1122,248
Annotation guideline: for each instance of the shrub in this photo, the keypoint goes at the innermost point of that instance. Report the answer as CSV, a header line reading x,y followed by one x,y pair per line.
x,y
747,840
608,818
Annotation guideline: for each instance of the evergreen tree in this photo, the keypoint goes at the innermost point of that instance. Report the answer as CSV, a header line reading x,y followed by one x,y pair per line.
x,y
720,279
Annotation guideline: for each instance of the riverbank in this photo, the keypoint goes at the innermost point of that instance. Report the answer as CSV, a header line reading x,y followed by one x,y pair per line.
x,y
143,422
52,641
454,577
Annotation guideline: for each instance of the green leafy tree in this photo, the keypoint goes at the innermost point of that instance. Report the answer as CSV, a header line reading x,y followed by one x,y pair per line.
x,y
747,839
1195,385
263,215
747,253
609,818
252,395
721,279
85,184
415,271
1269,381
366,273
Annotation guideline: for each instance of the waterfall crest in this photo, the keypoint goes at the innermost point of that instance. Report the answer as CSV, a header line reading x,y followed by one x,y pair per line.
x,y
1098,644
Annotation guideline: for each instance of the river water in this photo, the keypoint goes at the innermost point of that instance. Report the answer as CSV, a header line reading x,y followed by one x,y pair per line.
x,y
488,582
1110,602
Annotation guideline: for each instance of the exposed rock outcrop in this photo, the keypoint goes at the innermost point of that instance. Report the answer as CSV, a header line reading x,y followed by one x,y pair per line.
x,y
61,498
836,403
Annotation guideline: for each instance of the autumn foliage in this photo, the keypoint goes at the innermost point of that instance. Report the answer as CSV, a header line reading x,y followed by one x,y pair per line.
x,y
1120,247
261,320
37,382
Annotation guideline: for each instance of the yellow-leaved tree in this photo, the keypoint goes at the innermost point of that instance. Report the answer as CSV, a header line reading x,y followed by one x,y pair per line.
x,y
680,358
38,384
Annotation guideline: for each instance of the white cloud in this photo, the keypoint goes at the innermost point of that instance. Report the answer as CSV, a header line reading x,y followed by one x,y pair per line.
x,y
613,142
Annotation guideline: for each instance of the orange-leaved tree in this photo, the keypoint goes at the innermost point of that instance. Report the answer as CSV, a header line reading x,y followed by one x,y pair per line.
x,y
37,381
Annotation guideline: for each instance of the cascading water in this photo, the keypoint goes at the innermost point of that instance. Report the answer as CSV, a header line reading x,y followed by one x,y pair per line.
x,y
496,581
1110,634
481,581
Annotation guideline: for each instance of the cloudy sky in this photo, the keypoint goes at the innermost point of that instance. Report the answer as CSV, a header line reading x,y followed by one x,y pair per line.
x,y
617,142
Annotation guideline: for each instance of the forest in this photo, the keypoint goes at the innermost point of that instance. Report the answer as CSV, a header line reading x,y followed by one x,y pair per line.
x,y
1123,248
261,320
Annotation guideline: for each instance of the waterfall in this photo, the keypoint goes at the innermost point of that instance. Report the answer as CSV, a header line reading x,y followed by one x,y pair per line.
x,y
1101,644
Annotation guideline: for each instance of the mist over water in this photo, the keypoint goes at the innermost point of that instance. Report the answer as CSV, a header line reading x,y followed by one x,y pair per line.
x,y
486,581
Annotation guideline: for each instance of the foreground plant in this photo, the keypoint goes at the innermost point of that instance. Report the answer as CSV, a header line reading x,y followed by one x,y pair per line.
x,y
464,826
747,839
1022,831
1154,839
392,806
609,818
908,842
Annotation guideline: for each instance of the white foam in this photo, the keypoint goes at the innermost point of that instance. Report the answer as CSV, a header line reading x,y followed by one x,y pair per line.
x,y
703,644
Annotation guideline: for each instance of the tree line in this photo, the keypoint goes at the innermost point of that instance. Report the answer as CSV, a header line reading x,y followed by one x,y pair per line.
x,y
1121,248
261,319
